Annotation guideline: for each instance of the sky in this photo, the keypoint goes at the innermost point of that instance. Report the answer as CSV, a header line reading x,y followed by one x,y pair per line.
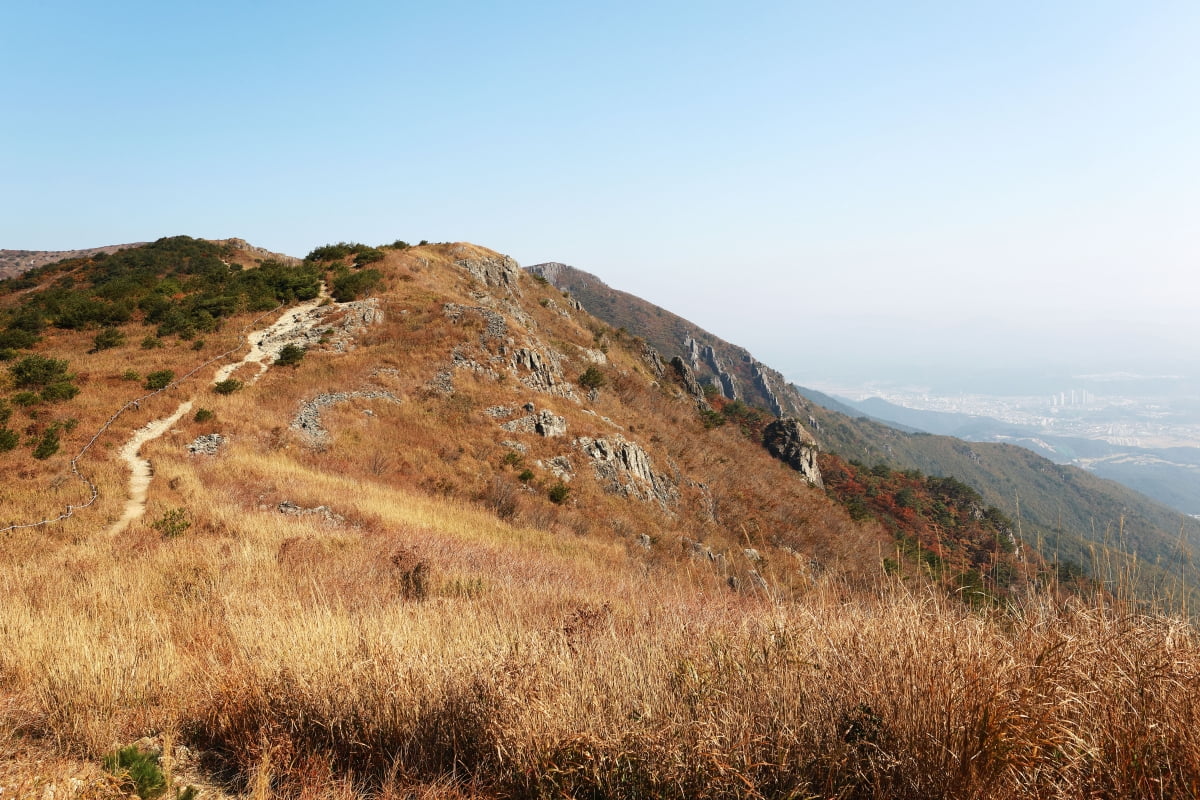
x,y
847,189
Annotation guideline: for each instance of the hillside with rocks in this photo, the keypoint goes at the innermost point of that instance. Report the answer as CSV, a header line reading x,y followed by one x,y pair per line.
x,y
1086,523
410,522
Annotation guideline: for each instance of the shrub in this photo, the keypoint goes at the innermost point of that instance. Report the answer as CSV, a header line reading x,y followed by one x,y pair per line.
x,y
592,378
290,356
203,415
26,399
59,392
159,379
198,344
172,523
48,445
368,255
227,386
353,285
5,411
107,339
8,440
526,476
558,493
138,771
34,372
151,342
131,375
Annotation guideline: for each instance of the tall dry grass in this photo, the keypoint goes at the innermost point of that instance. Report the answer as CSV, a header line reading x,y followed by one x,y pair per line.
x,y
537,664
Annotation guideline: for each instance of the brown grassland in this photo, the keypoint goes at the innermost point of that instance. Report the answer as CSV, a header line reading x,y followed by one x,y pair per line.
x,y
459,634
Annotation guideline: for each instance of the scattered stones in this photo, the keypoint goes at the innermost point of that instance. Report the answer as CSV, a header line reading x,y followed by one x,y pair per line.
x,y
751,554
512,445
291,509
308,419
559,466
495,328
206,445
644,541
499,412
787,440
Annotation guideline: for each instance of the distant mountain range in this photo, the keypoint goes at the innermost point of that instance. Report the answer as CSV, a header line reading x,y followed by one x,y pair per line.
x,y
1170,475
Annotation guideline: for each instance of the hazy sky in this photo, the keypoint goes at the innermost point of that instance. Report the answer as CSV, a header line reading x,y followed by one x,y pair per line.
x,y
827,184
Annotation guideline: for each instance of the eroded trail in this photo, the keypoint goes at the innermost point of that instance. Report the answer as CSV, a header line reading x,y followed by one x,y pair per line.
x,y
265,345
140,472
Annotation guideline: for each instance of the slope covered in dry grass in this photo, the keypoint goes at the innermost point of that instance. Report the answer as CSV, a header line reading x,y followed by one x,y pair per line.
x,y
448,622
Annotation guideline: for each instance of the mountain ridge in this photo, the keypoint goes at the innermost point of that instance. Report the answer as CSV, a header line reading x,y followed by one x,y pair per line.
x,y
1078,516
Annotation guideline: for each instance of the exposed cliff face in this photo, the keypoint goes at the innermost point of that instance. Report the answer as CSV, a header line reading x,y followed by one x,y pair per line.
x,y
732,369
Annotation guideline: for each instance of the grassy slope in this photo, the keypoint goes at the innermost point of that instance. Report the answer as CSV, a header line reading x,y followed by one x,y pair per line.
x,y
459,634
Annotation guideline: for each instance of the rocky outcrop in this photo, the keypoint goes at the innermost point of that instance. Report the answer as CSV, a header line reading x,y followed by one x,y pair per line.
x,y
308,420
687,379
551,271
705,355
653,361
623,467
544,370
497,273
787,440
543,423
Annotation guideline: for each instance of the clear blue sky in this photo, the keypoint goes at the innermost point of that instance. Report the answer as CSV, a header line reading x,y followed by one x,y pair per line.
x,y
823,183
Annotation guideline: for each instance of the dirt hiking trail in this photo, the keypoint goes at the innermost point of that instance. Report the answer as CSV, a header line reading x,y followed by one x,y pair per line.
x,y
265,345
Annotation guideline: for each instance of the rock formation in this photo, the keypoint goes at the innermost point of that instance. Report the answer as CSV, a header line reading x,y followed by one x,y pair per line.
x,y
787,440
624,468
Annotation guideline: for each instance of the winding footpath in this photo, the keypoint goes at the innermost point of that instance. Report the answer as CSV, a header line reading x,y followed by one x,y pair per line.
x,y
265,345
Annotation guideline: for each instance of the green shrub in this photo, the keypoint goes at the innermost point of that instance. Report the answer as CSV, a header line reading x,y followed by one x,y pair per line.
x,y
592,378
173,523
353,285
8,440
368,255
131,375
558,493
203,415
48,445
159,379
198,344
227,386
138,771
108,338
290,356
151,343
26,399
5,412
526,476
34,372
59,392
513,459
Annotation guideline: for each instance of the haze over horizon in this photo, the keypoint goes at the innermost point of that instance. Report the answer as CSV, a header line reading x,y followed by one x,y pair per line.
x,y
846,192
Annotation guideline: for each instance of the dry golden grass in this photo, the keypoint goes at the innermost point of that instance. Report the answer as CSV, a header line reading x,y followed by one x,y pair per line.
x,y
460,635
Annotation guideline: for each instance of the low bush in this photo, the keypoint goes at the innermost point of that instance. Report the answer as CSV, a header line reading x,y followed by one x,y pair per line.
x,y
227,386
159,379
